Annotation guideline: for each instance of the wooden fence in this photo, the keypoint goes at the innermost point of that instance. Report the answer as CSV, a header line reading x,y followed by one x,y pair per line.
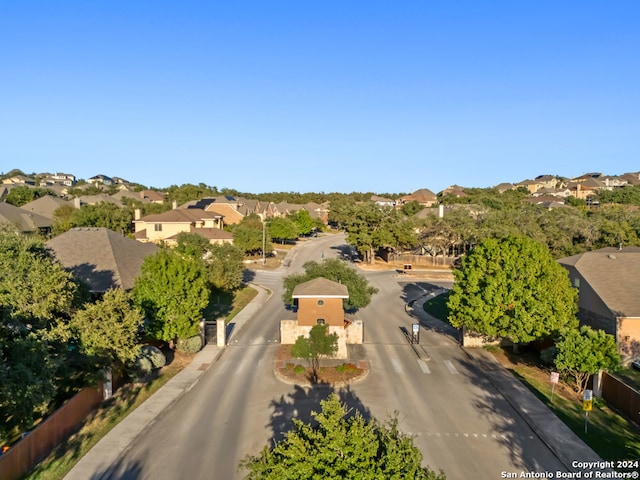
x,y
621,397
26,454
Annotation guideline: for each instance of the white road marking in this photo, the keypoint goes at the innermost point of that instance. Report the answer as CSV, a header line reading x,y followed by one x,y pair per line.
x,y
397,366
450,367
423,366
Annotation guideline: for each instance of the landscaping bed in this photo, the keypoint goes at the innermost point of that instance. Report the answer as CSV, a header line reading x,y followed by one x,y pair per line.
x,y
332,372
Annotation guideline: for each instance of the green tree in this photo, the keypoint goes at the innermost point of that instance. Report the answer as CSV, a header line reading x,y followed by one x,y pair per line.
x,y
303,221
318,344
192,245
360,292
225,266
172,291
22,195
282,229
108,329
583,352
340,446
35,294
512,288
104,214
250,236
411,208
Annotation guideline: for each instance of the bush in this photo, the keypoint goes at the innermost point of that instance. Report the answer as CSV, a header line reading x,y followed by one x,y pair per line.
x,y
299,369
548,355
189,345
150,358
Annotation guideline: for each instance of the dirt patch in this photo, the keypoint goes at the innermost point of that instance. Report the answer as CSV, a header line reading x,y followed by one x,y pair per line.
x,y
332,372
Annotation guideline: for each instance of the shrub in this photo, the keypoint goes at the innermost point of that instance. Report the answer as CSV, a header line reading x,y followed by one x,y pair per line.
x,y
155,356
290,366
149,359
548,355
189,345
299,369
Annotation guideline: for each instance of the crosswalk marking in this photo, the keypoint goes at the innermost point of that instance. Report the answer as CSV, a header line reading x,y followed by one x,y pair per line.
x,y
423,366
397,366
450,367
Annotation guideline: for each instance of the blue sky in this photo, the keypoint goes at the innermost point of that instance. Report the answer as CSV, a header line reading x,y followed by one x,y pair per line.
x,y
320,96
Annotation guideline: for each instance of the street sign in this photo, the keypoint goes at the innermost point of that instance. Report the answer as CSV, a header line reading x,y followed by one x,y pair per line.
x,y
588,395
416,327
555,377
587,405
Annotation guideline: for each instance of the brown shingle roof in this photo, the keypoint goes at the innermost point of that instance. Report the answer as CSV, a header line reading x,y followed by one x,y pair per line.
x,y
320,288
614,275
101,257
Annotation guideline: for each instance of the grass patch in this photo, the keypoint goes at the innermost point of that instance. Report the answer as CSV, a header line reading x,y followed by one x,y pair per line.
x,y
437,307
609,434
127,399
228,304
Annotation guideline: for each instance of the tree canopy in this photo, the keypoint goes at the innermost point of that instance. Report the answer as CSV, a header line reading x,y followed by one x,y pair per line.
x,y
513,288
360,292
583,352
172,291
251,236
108,329
340,447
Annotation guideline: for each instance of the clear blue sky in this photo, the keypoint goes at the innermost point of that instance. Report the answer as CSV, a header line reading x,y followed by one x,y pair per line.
x,y
324,95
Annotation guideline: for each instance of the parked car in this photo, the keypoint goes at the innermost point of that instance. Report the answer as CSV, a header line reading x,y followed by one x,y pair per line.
x,y
635,363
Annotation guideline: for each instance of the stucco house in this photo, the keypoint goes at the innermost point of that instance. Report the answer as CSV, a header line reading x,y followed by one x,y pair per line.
x,y
320,302
165,227
608,282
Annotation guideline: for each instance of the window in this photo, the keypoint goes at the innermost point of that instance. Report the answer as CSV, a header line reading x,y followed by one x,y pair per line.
x,y
320,303
320,321
157,227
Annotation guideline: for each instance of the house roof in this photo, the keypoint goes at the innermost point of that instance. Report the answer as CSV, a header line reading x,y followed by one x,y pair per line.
x,y
181,215
25,220
613,275
101,257
46,205
320,288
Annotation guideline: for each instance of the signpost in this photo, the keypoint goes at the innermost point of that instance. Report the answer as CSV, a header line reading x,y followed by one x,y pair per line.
x,y
555,377
587,406
415,333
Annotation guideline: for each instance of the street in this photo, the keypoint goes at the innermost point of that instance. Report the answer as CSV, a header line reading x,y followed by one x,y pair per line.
x,y
460,422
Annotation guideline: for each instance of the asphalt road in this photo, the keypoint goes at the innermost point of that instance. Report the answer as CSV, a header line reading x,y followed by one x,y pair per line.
x,y
460,422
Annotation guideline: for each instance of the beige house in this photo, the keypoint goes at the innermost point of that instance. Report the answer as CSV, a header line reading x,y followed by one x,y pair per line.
x,y
165,227
320,302
608,282
424,197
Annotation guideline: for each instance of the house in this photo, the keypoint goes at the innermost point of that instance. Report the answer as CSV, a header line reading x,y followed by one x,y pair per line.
x,y
46,205
586,188
24,220
101,258
608,284
383,201
320,302
165,227
101,180
540,182
424,197
19,180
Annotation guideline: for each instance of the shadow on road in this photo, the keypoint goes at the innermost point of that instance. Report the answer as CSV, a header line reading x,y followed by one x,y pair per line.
x,y
302,402
120,471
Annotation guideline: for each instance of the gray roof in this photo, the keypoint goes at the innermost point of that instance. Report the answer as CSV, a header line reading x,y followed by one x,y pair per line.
x,y
101,257
614,275
46,205
320,288
24,220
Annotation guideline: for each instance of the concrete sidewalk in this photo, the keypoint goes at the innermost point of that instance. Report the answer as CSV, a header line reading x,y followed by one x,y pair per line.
x,y
565,444
97,463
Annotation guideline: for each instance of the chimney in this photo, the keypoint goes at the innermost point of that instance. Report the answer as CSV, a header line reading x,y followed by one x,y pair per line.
x,y
441,211
174,204
76,202
136,214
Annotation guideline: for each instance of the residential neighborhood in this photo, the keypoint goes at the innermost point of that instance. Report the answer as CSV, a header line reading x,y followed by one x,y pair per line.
x,y
179,259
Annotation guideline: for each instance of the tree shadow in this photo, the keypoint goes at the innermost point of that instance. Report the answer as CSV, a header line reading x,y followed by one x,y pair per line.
x,y
96,280
248,275
120,471
300,404
508,427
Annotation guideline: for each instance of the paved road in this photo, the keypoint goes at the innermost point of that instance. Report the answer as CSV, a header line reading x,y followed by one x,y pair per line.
x,y
460,421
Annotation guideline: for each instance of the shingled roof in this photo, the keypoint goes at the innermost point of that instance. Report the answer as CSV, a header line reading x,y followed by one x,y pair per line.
x,y
101,257
613,275
320,288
